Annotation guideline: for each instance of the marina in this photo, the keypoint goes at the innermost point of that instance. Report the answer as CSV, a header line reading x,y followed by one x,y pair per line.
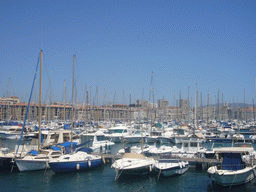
x,y
195,178
127,96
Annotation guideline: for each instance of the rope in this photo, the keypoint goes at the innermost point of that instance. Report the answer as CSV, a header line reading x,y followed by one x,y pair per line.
x,y
232,183
159,174
117,176
12,164
103,159
46,166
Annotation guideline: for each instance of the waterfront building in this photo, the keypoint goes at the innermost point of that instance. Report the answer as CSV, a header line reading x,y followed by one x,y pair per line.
x,y
12,109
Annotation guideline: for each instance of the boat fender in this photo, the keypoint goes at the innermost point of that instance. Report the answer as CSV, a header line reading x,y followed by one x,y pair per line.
x,y
77,166
180,164
183,164
150,168
89,163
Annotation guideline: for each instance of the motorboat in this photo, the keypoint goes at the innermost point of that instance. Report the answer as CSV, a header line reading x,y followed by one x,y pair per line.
x,y
133,164
233,170
100,143
216,144
190,147
157,151
6,160
170,167
116,134
134,137
153,137
238,136
135,149
15,133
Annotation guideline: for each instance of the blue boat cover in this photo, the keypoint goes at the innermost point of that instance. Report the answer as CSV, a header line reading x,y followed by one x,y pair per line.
x,y
232,161
34,152
67,126
55,148
85,149
68,144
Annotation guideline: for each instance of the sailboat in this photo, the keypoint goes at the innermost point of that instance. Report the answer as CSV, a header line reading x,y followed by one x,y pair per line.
x,y
77,160
38,159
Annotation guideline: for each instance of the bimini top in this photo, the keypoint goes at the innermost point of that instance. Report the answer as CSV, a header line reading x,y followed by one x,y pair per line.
x,y
134,156
234,149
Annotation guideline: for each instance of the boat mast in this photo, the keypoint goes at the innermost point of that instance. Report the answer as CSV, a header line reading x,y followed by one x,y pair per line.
x,y
34,102
72,116
208,109
152,112
8,102
40,101
195,111
64,117
188,109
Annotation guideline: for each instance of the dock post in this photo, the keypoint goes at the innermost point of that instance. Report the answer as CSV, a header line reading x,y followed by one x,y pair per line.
x,y
199,165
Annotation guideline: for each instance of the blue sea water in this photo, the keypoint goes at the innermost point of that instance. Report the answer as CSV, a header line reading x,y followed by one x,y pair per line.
x,y
103,179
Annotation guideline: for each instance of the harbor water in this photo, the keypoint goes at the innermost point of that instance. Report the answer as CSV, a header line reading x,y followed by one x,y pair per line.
x,y
103,179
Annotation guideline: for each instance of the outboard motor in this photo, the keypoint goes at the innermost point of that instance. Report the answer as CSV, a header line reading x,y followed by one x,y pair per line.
x,y
127,150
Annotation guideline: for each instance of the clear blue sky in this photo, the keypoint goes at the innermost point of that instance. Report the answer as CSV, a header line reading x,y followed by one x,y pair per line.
x,y
119,43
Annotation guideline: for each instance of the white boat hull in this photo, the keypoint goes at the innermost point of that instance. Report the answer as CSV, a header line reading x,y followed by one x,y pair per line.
x,y
134,166
132,139
115,139
32,165
173,172
37,161
167,169
228,178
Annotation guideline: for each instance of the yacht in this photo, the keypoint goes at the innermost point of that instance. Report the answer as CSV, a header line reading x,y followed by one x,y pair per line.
x,y
116,134
100,143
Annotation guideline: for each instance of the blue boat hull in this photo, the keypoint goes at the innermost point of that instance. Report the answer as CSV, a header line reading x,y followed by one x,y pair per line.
x,y
68,166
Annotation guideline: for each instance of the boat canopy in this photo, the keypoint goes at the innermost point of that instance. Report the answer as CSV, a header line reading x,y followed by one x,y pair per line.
x,y
134,156
55,148
67,144
199,135
235,150
232,161
34,152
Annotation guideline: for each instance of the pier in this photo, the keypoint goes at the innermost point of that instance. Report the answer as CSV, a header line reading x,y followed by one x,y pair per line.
x,y
197,162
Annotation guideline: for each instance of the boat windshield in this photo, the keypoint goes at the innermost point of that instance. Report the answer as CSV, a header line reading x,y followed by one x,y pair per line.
x,y
101,138
117,131
168,161
242,145
218,145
